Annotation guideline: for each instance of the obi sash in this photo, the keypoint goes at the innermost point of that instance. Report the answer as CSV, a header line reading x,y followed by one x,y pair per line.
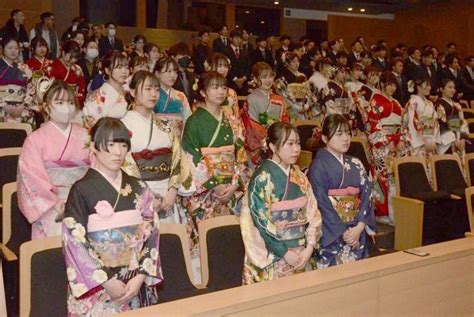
x,y
346,202
454,123
340,106
154,165
391,124
115,237
298,90
63,174
288,218
220,162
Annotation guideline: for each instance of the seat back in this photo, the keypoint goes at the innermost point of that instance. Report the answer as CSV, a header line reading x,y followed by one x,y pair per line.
x,y
410,176
470,207
15,227
13,134
469,165
175,263
222,252
447,172
470,124
305,131
8,165
468,113
42,260
358,149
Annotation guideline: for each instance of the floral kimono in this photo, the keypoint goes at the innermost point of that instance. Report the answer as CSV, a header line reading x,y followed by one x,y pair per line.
x,y
157,159
109,231
298,98
15,95
279,213
451,122
343,192
37,65
174,106
357,103
423,126
384,127
260,112
72,75
105,102
51,161
337,101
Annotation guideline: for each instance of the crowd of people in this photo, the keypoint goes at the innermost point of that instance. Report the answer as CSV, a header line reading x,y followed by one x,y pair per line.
x,y
128,136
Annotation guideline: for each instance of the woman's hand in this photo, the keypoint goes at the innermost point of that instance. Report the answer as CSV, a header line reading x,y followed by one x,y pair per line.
x,y
292,257
115,288
169,199
226,194
352,235
131,289
305,255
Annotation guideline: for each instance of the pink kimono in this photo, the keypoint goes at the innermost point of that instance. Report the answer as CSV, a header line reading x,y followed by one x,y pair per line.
x,y
51,161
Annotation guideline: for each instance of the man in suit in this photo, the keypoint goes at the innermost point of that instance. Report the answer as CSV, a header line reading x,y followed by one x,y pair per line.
x,y
452,71
247,48
333,50
354,56
201,53
285,41
401,94
181,53
219,45
467,78
380,54
240,64
110,42
413,63
261,53
426,70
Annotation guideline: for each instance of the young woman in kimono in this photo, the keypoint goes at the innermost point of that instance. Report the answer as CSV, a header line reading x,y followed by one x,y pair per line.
x,y
372,75
66,69
109,100
261,110
156,157
172,104
110,232
387,140
280,220
293,86
421,119
39,62
343,191
453,127
52,159
337,100
353,86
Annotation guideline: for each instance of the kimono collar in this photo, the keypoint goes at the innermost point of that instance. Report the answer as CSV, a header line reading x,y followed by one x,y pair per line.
x,y
116,183
63,132
286,171
8,64
339,159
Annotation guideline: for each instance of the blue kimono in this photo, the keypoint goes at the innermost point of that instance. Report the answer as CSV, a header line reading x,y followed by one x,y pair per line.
x,y
173,106
343,193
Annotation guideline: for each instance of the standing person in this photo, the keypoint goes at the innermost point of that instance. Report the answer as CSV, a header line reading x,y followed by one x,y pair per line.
x,y
261,53
354,56
110,233
343,192
66,69
239,64
427,70
261,110
172,104
152,53
422,121
387,140
15,28
247,47
139,42
453,127
14,76
89,61
153,145
467,78
201,53
45,29
52,159
110,41
280,220
412,63
186,79
220,44
452,71
96,33
39,63
285,41
401,94
380,57
109,100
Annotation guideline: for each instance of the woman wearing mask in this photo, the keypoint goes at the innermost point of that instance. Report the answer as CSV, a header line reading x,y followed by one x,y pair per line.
x,y
89,62
15,97
52,159
343,191
280,220
109,100
172,104
66,69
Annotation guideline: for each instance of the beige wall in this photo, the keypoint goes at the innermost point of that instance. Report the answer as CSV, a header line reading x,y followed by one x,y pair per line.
x,y
293,27
31,8
65,11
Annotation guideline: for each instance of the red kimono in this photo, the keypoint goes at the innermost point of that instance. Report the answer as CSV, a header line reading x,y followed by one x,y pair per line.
x,y
43,67
73,76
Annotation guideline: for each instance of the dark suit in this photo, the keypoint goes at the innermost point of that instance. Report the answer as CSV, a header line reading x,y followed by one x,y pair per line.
x,y
411,69
422,72
200,54
280,64
247,48
240,67
383,65
467,84
332,56
352,59
105,46
219,46
446,73
401,94
188,88
258,56
88,76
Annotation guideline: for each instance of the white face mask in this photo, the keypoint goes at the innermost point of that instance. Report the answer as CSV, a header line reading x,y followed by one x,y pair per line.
x,y
63,114
112,32
92,53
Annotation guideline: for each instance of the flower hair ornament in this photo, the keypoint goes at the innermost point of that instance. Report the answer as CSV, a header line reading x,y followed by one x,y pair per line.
x,y
42,85
411,86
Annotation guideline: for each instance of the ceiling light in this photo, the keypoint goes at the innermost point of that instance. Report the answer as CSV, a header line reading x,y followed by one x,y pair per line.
x,y
349,9
362,10
262,22
276,2
247,11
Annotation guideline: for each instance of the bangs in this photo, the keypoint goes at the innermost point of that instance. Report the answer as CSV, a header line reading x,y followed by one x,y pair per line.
x,y
218,81
109,130
120,61
64,95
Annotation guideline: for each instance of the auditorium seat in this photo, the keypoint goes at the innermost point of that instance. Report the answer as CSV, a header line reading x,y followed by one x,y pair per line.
x,y
8,164
305,131
222,252
359,149
469,166
13,134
